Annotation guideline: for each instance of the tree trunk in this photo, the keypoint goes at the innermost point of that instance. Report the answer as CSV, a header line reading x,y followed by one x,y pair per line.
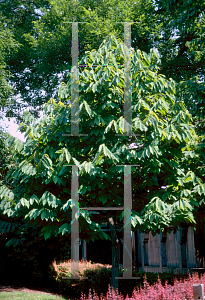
x,y
115,254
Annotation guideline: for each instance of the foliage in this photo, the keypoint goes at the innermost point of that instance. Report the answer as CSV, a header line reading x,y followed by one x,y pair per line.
x,y
6,161
8,45
42,29
181,46
35,46
174,28
182,49
28,251
99,276
180,290
30,254
165,142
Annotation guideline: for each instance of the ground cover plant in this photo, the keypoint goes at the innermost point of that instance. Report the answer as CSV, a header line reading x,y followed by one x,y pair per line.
x,y
180,290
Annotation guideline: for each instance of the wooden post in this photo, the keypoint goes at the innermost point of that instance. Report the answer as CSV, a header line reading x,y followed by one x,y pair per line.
x,y
142,249
160,252
178,250
115,253
198,290
191,258
84,251
133,250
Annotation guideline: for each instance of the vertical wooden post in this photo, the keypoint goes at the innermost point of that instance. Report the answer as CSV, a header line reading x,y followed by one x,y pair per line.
x,y
133,250
84,251
115,253
178,249
198,290
191,258
142,249
160,252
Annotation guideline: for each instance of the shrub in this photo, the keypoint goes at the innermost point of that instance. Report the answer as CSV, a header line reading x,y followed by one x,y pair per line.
x,y
181,289
152,286
99,277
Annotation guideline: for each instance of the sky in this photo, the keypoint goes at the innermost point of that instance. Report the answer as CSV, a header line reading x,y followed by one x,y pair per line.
x,y
12,128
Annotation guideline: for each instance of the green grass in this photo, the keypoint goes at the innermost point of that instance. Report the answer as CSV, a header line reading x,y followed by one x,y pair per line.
x,y
28,296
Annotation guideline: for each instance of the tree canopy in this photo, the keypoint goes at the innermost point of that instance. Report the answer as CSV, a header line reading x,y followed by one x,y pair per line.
x,y
168,114
163,141
8,45
163,147
41,28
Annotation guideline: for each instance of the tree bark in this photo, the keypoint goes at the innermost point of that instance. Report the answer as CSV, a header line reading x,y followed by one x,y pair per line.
x,y
115,254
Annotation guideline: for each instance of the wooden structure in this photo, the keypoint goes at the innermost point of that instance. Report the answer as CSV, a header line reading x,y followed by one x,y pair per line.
x,y
164,252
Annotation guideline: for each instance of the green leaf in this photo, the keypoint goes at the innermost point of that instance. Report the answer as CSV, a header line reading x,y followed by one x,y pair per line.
x,y
103,198
24,202
94,89
10,242
47,234
62,171
51,152
67,155
76,162
53,200
136,220
65,228
138,124
147,152
151,149
33,214
108,153
88,109
88,167
109,126
67,205
55,179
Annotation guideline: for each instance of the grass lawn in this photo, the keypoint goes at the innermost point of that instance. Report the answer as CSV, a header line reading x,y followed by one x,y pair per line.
x,y
28,296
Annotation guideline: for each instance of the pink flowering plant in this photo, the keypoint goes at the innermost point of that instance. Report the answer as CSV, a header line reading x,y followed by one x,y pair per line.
x,y
98,286
180,290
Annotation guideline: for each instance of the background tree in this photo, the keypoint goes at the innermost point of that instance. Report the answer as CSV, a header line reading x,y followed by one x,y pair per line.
x,y
174,28
7,45
164,145
44,57
181,46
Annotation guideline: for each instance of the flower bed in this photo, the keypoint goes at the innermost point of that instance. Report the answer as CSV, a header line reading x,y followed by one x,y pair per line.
x,y
180,290
152,286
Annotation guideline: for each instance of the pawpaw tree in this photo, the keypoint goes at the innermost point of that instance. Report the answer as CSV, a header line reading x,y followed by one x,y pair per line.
x,y
162,142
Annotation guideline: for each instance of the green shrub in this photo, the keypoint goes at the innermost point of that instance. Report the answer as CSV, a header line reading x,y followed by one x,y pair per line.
x,y
98,280
99,277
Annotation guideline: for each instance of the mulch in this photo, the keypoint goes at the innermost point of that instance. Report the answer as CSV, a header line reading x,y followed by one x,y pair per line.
x,y
12,288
